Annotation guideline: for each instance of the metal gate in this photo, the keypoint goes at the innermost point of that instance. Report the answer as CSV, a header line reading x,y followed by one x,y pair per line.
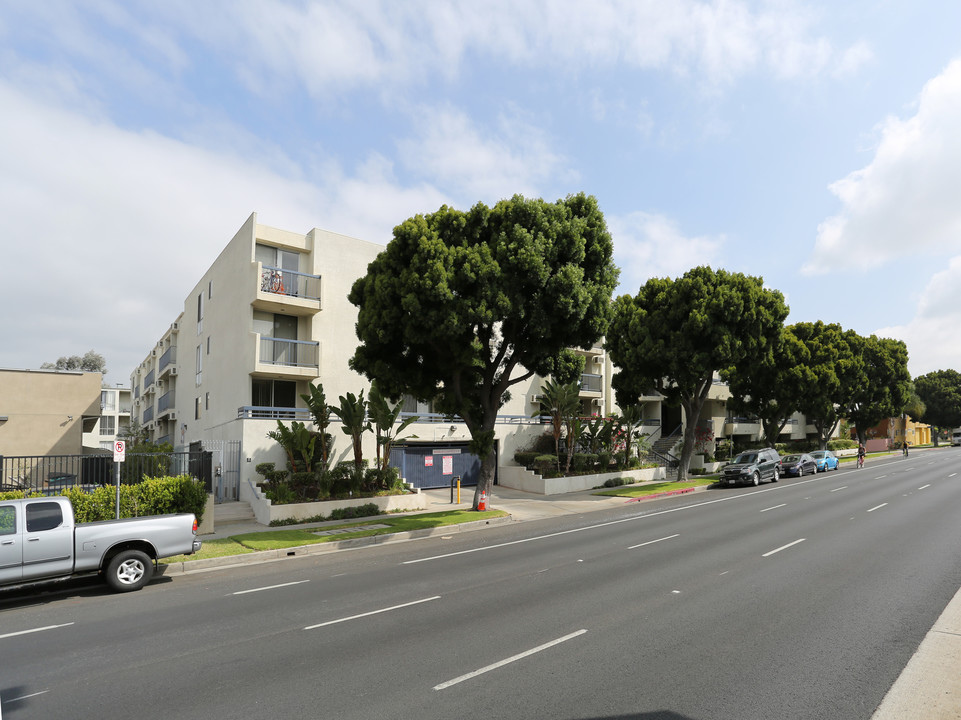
x,y
433,466
226,468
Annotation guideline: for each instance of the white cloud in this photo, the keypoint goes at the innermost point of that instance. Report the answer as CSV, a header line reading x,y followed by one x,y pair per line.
x,y
452,151
106,230
907,196
649,245
932,334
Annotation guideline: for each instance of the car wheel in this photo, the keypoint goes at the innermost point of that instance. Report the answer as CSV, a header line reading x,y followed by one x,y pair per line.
x,y
776,476
129,570
756,478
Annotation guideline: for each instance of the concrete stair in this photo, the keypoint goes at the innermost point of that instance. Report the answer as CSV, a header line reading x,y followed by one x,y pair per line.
x,y
230,512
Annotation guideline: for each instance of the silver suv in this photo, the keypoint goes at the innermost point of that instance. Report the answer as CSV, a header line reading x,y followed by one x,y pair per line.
x,y
753,466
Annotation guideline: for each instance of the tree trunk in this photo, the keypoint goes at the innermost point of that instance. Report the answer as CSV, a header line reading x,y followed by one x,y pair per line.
x,y
485,483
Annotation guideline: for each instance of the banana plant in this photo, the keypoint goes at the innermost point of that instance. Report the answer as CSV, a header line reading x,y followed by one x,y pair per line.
x,y
385,418
316,402
298,442
353,414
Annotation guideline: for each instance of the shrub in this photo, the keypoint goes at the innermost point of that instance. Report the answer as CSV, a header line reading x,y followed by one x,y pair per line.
x,y
615,482
604,461
842,444
582,462
356,511
280,493
526,458
544,464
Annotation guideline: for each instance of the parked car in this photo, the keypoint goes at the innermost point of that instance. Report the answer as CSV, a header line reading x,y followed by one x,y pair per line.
x,y
826,460
39,540
753,466
798,465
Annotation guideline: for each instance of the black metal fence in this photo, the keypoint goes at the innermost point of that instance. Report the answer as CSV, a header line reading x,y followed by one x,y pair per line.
x,y
53,473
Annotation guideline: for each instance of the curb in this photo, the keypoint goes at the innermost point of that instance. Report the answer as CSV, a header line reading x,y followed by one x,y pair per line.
x,y
189,567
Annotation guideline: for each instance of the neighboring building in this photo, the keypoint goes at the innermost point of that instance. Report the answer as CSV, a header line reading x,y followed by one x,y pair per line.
x,y
47,412
897,430
115,406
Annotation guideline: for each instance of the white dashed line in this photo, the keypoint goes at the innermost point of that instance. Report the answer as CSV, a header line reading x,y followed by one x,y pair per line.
x,y
877,507
651,542
784,547
775,507
372,612
270,587
39,629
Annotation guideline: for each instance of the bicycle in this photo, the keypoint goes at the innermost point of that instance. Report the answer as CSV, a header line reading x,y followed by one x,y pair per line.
x,y
860,461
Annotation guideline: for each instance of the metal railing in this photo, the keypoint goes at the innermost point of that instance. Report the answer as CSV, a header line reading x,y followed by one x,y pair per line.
x,y
290,353
169,356
289,282
51,474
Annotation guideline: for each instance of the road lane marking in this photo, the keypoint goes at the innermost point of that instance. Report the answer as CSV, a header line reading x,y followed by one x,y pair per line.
x,y
39,629
784,547
775,507
877,507
924,486
952,474
651,542
270,587
507,661
606,524
843,487
880,477
372,612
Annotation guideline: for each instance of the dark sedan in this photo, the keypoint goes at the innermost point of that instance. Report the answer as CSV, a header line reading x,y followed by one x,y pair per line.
x,y
798,465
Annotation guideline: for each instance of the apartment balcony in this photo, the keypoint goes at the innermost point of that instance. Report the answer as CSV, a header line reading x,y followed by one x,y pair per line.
x,y
167,363
165,406
286,359
148,381
742,426
287,291
257,412
592,385
148,415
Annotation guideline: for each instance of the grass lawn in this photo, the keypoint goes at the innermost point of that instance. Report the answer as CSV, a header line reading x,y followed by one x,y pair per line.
x,y
655,488
279,539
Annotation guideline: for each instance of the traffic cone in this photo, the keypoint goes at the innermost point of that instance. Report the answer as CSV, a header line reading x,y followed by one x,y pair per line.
x,y
482,503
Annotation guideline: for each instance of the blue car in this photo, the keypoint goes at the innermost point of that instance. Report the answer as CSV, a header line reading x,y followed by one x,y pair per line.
x,y
826,460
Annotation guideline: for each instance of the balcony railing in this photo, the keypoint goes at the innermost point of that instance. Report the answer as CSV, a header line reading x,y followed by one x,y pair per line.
x,y
260,412
148,380
169,356
289,282
148,414
591,383
165,402
289,353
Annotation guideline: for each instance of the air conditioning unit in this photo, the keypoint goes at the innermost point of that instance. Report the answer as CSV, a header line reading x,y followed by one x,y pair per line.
x,y
173,371
597,402
175,326
536,398
172,415
154,352
598,359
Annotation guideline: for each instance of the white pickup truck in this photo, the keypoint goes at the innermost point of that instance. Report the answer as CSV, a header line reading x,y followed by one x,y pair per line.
x,y
39,540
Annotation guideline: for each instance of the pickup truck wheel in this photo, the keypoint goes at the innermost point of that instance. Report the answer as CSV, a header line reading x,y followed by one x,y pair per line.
x,y
756,478
129,570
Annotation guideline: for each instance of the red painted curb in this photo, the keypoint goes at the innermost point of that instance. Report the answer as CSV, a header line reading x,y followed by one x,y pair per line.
x,y
660,495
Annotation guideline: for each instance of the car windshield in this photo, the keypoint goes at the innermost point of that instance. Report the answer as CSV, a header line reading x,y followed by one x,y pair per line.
x,y
818,454
746,458
790,458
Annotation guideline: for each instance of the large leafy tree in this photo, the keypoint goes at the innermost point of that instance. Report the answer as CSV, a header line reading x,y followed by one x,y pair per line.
x,y
825,373
463,305
90,362
674,334
881,384
767,385
940,391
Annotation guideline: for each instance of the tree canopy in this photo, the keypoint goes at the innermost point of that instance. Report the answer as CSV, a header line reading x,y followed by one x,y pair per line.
x,y
90,362
879,385
940,391
462,305
674,334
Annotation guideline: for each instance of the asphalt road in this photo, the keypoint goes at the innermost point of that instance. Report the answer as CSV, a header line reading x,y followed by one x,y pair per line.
x,y
801,599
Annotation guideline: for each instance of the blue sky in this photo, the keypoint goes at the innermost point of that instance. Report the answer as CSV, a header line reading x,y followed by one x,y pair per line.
x,y
814,144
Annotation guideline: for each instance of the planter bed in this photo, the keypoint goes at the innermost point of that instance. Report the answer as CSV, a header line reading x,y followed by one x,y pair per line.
x,y
265,511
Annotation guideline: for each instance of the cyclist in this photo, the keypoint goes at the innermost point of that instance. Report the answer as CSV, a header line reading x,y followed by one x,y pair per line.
x,y
905,448
861,453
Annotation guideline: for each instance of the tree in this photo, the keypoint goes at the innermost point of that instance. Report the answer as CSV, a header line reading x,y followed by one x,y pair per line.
x,y
559,402
825,372
766,385
353,415
675,334
940,391
385,417
463,305
90,362
880,385
316,401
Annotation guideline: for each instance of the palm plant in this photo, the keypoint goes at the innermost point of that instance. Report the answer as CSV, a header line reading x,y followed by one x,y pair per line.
x,y
559,401
298,442
321,412
629,424
385,418
353,414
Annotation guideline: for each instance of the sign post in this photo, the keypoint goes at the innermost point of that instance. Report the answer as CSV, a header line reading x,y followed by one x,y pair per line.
x,y
119,455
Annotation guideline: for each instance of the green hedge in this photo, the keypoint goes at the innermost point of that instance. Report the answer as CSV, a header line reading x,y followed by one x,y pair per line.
x,y
153,496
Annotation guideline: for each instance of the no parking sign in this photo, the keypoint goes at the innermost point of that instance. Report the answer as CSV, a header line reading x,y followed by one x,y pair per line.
x,y
119,451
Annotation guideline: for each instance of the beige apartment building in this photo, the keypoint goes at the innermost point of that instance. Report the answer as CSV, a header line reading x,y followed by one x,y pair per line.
x,y
47,412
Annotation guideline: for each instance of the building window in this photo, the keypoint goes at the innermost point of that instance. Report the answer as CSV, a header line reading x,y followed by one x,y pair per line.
x,y
108,401
200,313
200,364
206,401
196,408
210,289
108,426
273,393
